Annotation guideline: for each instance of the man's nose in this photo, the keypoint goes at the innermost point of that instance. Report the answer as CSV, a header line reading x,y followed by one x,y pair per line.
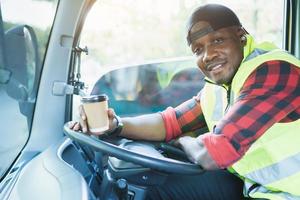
x,y
209,54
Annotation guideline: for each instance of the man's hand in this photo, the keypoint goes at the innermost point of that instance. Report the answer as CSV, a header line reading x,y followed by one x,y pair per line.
x,y
196,152
83,126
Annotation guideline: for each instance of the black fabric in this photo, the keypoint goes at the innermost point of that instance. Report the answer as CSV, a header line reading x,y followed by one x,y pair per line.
x,y
211,185
198,34
218,16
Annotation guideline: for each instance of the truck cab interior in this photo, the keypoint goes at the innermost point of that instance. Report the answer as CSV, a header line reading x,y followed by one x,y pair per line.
x,y
54,51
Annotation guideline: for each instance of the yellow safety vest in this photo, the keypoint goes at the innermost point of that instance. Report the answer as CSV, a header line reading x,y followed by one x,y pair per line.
x,y
271,166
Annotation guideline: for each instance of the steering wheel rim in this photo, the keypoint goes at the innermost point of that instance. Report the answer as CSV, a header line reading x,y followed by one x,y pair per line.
x,y
167,165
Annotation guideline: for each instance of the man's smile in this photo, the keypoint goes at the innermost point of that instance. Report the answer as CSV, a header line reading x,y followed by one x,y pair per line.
x,y
215,67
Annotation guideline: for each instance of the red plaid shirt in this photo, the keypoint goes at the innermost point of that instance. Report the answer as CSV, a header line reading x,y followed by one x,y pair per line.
x,y
271,94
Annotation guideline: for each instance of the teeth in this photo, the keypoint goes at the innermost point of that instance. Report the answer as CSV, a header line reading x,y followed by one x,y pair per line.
x,y
215,67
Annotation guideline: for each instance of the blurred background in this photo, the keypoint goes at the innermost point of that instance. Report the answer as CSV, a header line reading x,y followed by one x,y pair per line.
x,y
128,32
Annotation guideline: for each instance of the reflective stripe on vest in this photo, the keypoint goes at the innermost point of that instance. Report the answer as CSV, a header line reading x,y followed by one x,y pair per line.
x,y
263,192
282,169
272,162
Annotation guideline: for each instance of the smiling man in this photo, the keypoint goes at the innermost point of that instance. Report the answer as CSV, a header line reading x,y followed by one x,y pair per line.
x,y
214,43
251,107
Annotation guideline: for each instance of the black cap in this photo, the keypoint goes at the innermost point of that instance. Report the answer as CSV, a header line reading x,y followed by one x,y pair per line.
x,y
218,16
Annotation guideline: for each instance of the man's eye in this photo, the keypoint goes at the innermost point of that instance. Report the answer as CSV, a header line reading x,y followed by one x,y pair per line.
x,y
198,51
218,40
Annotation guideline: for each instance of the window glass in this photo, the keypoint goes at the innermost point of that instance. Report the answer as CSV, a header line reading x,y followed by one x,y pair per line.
x,y
24,32
136,49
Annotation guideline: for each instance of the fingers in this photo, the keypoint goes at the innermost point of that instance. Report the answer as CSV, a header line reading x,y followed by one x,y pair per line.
x,y
83,126
82,113
83,119
75,126
111,113
181,141
71,124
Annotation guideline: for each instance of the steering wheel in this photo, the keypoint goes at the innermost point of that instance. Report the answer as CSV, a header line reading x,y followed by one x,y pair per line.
x,y
159,163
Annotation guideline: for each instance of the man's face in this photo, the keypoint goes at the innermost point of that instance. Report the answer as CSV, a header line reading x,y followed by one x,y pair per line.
x,y
219,53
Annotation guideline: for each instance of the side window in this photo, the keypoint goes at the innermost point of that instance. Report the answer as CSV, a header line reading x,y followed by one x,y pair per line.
x,y
149,88
138,53
24,34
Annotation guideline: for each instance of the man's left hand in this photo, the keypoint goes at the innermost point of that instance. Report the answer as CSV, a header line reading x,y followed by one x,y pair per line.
x,y
197,152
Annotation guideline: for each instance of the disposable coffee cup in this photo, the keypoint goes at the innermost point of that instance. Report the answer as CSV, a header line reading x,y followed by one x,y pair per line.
x,y
95,107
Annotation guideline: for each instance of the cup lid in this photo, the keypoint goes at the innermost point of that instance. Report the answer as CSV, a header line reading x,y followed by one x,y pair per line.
x,y
94,98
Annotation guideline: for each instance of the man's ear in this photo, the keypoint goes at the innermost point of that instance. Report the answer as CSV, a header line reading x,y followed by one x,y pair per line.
x,y
243,39
242,35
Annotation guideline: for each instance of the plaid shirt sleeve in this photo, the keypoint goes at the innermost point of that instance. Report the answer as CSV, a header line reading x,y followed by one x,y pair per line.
x,y
186,117
271,94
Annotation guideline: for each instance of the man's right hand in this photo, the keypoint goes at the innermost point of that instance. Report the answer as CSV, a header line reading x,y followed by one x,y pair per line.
x,y
83,126
144,127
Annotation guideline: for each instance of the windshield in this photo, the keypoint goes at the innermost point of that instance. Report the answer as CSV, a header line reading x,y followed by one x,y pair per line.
x,y
138,54
24,33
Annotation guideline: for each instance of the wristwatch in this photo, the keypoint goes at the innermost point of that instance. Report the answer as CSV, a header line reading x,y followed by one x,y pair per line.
x,y
116,131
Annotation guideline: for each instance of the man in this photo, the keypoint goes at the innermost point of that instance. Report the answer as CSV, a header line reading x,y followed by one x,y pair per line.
x,y
251,106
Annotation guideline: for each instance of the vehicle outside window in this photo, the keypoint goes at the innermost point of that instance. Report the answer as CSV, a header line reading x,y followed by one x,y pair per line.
x,y
138,54
25,28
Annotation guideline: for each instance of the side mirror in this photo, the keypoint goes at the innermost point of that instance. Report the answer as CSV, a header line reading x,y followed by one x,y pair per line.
x,y
22,61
